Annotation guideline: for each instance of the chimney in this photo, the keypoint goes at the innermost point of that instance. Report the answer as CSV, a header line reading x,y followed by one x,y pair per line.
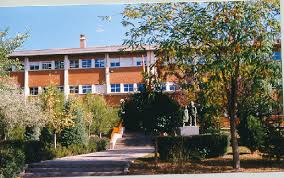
x,y
83,41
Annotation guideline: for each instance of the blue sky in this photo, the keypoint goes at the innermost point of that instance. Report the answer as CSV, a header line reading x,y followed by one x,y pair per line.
x,y
61,26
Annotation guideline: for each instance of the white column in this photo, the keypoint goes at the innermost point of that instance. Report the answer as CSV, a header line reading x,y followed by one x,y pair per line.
x,y
80,63
107,73
93,63
135,87
80,89
94,89
26,79
66,76
121,88
167,86
52,64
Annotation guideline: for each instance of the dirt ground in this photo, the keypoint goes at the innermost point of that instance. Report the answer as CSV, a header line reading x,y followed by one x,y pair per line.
x,y
249,163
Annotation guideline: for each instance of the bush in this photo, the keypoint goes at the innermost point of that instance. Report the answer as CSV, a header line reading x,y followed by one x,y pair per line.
x,y
32,133
46,136
76,134
12,162
252,132
192,147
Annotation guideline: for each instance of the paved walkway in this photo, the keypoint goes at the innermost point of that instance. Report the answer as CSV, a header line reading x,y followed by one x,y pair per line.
x,y
105,163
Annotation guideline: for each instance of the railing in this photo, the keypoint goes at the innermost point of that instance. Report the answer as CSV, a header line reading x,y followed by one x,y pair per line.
x,y
117,133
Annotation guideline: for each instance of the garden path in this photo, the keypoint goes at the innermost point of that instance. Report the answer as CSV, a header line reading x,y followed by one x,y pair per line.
x,y
104,163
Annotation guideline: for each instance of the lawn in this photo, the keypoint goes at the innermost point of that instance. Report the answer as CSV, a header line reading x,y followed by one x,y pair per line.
x,y
249,163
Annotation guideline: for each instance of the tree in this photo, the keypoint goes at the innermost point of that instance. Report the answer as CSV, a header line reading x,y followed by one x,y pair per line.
x,y
15,111
217,39
75,134
7,46
99,117
53,104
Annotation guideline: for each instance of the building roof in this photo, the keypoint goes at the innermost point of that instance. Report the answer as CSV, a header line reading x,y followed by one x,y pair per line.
x,y
65,51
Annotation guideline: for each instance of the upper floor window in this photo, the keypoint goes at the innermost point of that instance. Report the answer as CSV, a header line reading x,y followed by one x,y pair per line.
x,y
115,87
114,63
86,63
34,66
99,63
59,64
74,89
46,65
277,55
33,90
139,61
87,89
128,87
74,64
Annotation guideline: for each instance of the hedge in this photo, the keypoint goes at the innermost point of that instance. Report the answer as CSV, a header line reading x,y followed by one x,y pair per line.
x,y
192,147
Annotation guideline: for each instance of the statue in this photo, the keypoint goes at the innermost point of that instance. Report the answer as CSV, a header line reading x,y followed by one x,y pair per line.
x,y
185,116
193,113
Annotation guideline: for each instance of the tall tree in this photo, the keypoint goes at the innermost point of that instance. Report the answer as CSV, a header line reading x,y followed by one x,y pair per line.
x,y
217,39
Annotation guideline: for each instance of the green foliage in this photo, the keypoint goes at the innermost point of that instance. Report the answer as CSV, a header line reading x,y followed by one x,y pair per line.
x,y
274,140
155,112
192,147
99,117
32,133
252,132
77,133
46,136
12,162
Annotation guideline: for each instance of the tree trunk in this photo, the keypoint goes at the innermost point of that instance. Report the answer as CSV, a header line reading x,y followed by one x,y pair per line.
x,y
54,137
89,130
156,150
100,134
232,113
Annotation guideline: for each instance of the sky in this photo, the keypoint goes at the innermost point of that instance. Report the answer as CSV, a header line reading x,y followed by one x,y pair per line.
x,y
61,26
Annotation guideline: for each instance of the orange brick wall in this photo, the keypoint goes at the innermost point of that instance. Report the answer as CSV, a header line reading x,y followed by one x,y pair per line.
x,y
114,100
18,77
126,75
45,78
86,76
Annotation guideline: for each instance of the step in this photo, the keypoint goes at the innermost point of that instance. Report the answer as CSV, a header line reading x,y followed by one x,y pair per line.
x,y
81,169
69,174
70,164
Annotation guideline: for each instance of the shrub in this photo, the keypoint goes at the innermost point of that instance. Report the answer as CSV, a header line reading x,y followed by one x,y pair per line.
x,y
46,136
12,162
76,134
192,147
252,132
32,133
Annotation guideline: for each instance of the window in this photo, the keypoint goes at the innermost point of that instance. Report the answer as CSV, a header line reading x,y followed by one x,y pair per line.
x,y
277,55
74,89
139,61
87,89
34,66
172,87
114,63
61,88
86,63
59,64
33,90
46,65
141,87
115,87
74,64
163,87
128,87
99,63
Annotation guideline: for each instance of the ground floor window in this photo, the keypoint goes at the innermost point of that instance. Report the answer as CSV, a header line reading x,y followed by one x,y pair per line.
x,y
128,88
115,87
140,87
74,89
33,90
86,89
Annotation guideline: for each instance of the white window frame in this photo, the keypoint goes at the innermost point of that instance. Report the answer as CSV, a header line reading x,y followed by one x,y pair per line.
x,y
86,87
60,65
127,87
115,61
34,64
60,88
34,90
48,63
85,63
74,67
114,88
100,63
74,88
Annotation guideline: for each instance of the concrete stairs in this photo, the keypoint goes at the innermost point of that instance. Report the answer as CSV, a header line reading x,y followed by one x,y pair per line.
x,y
105,163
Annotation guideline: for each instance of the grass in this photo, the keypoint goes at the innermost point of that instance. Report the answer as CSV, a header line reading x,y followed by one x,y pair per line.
x,y
249,163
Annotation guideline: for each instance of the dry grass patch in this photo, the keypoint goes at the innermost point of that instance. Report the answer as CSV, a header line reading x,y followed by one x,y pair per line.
x,y
249,163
